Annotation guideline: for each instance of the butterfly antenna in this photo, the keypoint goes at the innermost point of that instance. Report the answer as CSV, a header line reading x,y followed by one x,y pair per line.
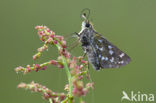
x,y
85,13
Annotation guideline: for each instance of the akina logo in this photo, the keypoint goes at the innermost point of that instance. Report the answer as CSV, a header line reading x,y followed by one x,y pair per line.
x,y
137,96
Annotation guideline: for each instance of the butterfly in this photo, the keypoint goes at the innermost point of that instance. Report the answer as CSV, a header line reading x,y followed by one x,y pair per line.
x,y
101,53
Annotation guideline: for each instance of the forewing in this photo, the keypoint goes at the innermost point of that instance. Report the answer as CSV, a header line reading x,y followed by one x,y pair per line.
x,y
109,55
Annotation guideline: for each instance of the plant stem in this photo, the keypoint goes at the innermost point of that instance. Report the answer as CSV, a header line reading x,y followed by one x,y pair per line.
x,y
65,101
81,100
69,77
50,100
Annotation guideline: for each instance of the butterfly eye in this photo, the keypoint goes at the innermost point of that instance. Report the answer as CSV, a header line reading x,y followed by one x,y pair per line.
x,y
87,25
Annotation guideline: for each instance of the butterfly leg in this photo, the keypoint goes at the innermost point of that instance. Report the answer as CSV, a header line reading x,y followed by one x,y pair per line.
x,y
72,35
76,43
84,55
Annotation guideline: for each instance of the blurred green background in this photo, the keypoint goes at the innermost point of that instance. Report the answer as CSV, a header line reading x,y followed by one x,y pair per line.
x,y
129,24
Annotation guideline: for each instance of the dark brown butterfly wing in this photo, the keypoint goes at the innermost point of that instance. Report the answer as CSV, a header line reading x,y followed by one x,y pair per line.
x,y
109,56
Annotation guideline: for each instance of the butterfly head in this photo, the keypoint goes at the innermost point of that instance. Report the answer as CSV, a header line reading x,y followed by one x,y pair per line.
x,y
86,24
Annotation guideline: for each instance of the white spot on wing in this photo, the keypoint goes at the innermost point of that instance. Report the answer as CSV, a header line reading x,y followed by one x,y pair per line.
x,y
100,40
101,48
121,55
103,58
111,52
99,56
106,58
110,47
112,59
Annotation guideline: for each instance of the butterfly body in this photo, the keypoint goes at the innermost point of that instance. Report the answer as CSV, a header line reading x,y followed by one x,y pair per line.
x,y
87,39
101,53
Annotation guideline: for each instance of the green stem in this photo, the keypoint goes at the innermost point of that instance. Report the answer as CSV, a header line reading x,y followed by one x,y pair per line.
x,y
65,101
81,99
50,100
68,75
